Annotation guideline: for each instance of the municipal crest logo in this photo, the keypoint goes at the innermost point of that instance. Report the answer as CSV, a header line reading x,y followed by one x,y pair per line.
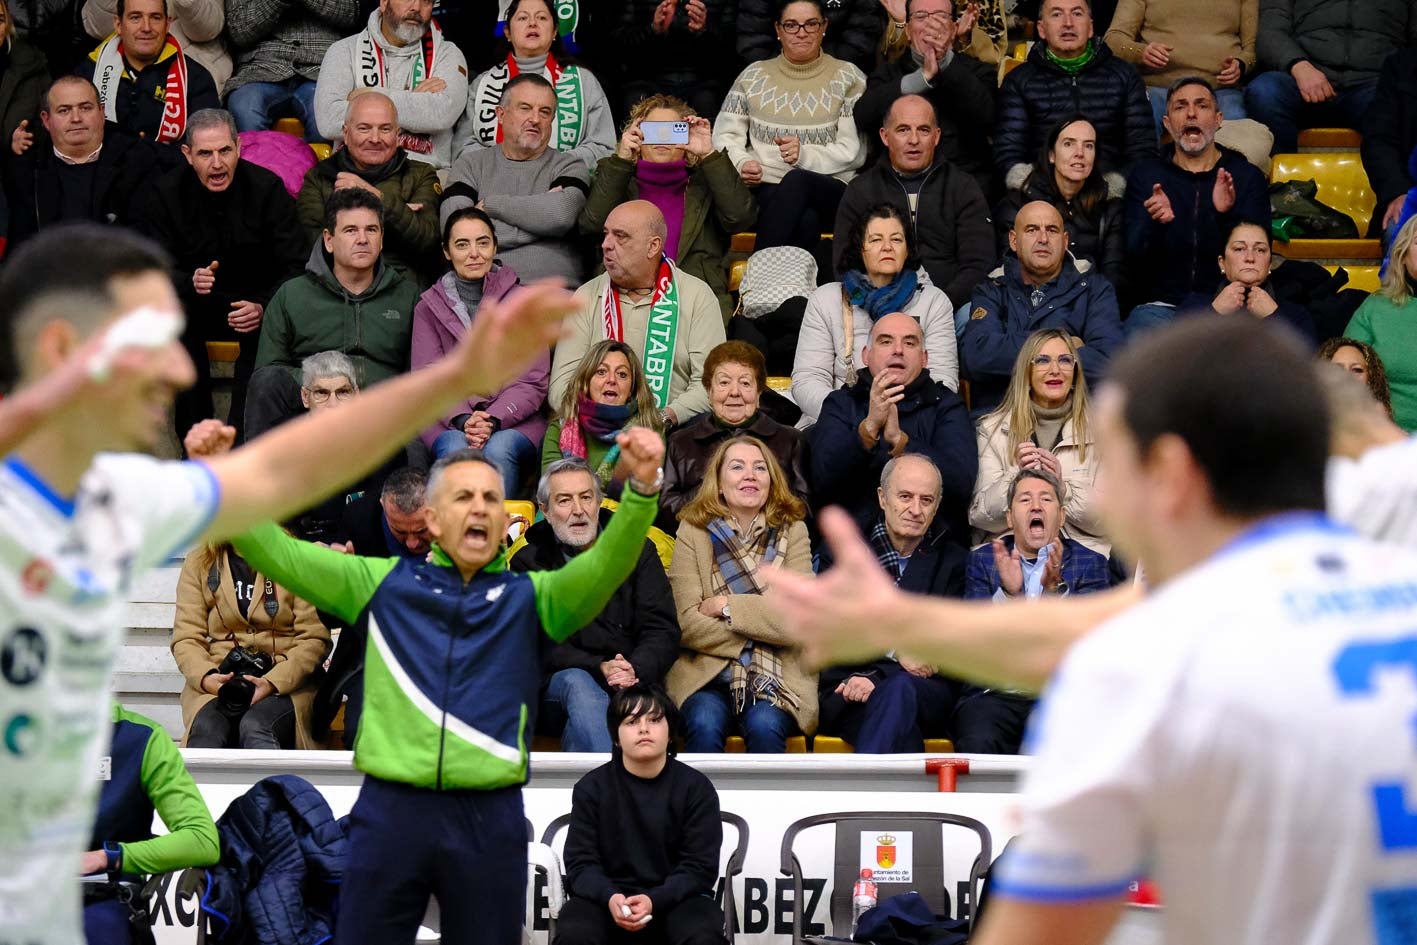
x,y
885,851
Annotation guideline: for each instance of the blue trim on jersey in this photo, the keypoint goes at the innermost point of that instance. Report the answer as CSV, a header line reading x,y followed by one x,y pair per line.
x,y
213,504
1036,893
1284,525
29,477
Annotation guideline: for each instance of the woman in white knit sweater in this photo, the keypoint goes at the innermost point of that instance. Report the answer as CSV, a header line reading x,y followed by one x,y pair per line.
x,y
787,126
879,277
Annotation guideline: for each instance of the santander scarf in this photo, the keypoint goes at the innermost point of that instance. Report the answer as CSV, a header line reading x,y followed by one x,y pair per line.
x,y
370,72
111,68
570,102
661,334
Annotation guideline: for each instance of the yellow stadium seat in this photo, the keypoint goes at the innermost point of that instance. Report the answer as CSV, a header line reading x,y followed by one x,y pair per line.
x,y
796,745
828,745
735,273
290,126
1330,139
780,384
1010,65
939,746
742,242
545,743
1342,182
1361,277
322,151
220,351
1328,250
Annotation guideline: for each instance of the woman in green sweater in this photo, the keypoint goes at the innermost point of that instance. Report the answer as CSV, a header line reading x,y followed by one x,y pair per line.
x,y
607,394
1387,320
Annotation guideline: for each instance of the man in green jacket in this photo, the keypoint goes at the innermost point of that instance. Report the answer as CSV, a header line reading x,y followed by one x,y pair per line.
x,y
452,671
346,300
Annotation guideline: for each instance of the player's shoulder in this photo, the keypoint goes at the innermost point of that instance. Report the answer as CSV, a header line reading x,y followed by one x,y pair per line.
x,y
136,471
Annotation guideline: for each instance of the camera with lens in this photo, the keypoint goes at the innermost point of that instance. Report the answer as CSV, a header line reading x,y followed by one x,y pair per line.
x,y
234,696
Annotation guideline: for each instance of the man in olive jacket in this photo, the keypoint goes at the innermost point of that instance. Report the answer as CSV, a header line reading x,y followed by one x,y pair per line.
x,y
346,300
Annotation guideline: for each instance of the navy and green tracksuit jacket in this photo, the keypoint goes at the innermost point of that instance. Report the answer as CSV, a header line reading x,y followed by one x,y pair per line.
x,y
452,670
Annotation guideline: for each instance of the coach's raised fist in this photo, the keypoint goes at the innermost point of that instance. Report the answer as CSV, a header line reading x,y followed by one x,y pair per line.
x,y
641,456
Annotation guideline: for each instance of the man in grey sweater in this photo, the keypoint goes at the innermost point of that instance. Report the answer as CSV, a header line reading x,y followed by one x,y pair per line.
x,y
403,54
532,193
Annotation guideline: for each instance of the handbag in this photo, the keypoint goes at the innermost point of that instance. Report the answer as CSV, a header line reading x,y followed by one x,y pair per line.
x,y
773,276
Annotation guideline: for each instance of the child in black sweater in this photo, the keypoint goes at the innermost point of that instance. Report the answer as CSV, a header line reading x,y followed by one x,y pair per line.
x,y
643,848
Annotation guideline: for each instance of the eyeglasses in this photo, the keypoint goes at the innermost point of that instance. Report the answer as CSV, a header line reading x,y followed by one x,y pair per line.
x,y
319,395
1065,361
921,16
793,27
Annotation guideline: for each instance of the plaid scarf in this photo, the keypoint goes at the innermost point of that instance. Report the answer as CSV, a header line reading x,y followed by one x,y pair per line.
x,y
758,670
885,551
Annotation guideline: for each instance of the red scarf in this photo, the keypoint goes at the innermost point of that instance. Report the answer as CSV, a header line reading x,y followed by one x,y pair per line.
x,y
612,321
552,66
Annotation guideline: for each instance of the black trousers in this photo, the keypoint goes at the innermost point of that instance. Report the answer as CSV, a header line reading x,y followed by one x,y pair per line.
x,y
273,397
268,724
695,921
195,403
990,723
797,211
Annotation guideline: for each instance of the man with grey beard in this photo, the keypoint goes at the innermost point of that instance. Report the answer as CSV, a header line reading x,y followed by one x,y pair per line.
x,y
634,640
1179,208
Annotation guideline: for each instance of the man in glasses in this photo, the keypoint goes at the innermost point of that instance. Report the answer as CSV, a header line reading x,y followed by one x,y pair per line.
x,y
853,29
1039,286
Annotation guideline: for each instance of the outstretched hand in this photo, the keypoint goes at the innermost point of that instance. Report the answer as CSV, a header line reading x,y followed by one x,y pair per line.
x,y
841,616
1009,566
509,334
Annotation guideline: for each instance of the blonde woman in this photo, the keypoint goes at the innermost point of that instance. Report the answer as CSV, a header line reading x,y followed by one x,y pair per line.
x,y
1041,424
737,670
1387,320
703,199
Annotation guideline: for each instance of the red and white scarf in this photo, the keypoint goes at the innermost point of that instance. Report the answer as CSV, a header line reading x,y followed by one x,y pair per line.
x,y
370,72
111,68
661,331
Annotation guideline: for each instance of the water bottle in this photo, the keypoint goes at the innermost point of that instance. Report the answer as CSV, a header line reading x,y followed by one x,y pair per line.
x,y
863,897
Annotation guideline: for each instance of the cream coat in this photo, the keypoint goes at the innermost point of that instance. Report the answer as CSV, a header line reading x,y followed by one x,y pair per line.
x,y
208,625
708,643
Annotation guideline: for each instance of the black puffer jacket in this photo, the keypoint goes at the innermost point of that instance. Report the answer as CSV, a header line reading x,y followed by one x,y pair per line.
x,y
1094,235
953,237
1038,94
679,53
1346,39
853,31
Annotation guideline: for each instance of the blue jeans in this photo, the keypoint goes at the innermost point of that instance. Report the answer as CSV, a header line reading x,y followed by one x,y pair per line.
x,y
256,105
709,720
574,694
511,452
902,710
1146,317
1273,98
1231,103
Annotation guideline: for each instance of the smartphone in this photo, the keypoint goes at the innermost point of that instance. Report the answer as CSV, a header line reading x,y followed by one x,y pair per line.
x,y
665,132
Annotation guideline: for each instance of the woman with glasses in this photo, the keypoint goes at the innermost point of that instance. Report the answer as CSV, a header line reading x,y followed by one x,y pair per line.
x,y
853,34
509,424
787,126
1043,423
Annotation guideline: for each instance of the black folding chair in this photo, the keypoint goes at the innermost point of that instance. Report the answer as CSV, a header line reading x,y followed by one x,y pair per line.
x,y
927,868
732,868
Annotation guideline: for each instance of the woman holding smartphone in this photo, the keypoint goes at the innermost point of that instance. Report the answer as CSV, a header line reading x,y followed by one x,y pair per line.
x,y
702,197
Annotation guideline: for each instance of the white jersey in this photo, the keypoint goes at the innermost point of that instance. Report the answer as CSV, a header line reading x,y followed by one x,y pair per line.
x,y
1246,738
66,569
1377,493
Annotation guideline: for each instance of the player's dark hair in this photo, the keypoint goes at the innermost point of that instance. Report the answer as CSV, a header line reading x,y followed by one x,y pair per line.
x,y
79,257
1243,396
641,699
351,198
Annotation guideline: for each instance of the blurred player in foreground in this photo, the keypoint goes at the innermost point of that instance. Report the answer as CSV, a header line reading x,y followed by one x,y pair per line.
x,y
89,321
1245,733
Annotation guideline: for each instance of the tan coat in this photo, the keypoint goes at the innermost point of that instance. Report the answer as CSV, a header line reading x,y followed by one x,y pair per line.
x,y
708,643
997,469
208,625
1202,34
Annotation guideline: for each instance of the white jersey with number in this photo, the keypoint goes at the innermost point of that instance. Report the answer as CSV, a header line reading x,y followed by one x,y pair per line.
x,y
66,569
1247,737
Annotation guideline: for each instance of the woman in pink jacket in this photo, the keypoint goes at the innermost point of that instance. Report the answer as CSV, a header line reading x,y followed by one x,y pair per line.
x,y
508,426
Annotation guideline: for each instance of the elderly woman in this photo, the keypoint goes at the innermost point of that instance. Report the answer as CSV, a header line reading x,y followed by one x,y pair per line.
x,y
735,376
222,604
737,668
703,199
880,279
1067,176
583,125
1246,286
1385,322
787,126
509,425
607,394
1043,423
1359,358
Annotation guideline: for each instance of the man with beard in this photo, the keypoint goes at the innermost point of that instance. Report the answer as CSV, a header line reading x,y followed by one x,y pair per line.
x,y
635,638
1178,211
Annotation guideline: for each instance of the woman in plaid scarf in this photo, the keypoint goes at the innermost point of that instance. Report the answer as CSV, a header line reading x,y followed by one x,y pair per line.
x,y
736,671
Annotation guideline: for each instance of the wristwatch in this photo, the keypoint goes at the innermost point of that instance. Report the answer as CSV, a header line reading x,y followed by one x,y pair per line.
x,y
724,613
114,852
649,488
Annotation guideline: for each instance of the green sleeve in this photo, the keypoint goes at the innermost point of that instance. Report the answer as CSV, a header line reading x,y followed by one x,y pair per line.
x,y
336,583
571,597
191,839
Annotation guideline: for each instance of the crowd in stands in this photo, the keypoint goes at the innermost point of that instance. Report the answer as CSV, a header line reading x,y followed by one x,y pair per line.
x,y
964,240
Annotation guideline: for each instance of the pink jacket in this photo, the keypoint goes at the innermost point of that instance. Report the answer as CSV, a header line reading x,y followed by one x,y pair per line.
x,y
521,405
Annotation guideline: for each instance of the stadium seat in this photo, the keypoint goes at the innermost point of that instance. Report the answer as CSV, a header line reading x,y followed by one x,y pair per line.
x,y
939,746
1364,278
1342,182
1330,139
223,351
830,745
290,126
322,151
735,274
855,829
796,745
1010,64
742,242
1329,252
780,384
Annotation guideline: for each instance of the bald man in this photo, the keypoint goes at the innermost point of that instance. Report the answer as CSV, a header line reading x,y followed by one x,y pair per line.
x,y
669,317
372,160
1040,285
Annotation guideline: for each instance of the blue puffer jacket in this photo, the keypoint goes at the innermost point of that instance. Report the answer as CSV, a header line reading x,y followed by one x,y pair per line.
x,y
282,861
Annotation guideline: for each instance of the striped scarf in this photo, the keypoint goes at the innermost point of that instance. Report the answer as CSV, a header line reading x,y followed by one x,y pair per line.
x,y
736,563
